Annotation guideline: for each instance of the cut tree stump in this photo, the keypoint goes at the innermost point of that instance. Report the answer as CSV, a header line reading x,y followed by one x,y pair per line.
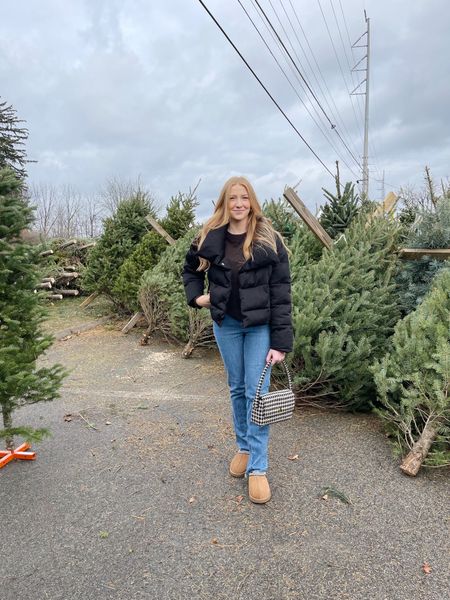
x,y
51,279
67,292
413,461
46,253
87,246
45,285
67,275
67,244
55,297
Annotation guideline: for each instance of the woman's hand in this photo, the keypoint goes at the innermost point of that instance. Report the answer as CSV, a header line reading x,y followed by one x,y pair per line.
x,y
203,301
275,356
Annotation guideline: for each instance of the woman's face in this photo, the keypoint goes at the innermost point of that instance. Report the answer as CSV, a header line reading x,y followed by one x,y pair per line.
x,y
238,203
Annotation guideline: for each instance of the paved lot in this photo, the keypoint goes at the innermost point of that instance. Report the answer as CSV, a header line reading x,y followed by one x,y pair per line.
x,y
131,498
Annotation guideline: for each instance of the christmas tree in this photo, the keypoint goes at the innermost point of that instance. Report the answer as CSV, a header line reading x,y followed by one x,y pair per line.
x,y
340,210
12,141
344,310
163,299
145,256
413,379
21,338
305,249
122,232
180,214
431,229
179,219
282,216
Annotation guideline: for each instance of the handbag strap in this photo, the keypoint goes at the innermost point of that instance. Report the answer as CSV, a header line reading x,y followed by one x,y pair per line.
x,y
263,376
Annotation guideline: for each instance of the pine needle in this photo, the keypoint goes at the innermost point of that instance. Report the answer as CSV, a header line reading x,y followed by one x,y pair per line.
x,y
330,491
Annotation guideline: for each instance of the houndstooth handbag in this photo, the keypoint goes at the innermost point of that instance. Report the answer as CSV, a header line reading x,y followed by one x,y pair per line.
x,y
273,406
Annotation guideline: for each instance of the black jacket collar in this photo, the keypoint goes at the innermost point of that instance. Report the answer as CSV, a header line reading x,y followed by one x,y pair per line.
x,y
213,249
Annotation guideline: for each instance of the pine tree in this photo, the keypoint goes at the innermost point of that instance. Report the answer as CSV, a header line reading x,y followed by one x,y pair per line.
x,y
344,310
282,216
21,338
430,230
122,232
305,249
413,378
340,210
162,287
180,214
12,141
163,298
179,218
145,256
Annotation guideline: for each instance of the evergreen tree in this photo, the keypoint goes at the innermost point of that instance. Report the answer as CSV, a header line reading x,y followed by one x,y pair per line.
x,y
12,141
344,310
305,249
21,338
283,218
413,379
163,298
180,214
340,210
431,230
179,218
165,281
144,257
122,232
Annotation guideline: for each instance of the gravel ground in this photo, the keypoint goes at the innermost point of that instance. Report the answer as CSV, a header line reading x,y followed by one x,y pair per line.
x,y
131,498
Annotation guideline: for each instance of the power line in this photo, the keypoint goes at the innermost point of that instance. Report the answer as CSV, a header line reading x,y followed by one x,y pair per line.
x,y
265,89
295,65
299,81
333,126
317,64
336,130
348,63
294,89
338,116
336,55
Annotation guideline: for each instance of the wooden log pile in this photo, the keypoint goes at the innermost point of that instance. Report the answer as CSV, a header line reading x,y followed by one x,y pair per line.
x,y
64,262
60,285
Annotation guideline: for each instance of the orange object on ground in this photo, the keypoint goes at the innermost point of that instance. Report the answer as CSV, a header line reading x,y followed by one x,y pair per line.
x,y
20,453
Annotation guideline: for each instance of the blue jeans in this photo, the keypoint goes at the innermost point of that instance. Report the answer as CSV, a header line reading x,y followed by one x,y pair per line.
x,y
244,352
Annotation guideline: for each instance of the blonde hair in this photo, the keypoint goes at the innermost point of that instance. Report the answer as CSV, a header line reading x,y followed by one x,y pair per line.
x,y
259,228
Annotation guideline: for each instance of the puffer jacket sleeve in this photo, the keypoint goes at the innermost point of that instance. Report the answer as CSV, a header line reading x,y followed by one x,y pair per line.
x,y
281,330
193,280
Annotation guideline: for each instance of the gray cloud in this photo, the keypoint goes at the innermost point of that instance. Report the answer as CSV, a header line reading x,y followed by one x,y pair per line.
x,y
132,88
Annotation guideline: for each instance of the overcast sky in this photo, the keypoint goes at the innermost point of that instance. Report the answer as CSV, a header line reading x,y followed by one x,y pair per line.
x,y
152,89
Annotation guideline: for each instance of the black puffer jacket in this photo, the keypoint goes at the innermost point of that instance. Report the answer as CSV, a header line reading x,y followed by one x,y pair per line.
x,y
265,286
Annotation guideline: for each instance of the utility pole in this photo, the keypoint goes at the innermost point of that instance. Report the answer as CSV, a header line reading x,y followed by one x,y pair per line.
x,y
365,172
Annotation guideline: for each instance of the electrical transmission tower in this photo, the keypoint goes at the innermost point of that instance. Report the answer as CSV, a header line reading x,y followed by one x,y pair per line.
x,y
365,165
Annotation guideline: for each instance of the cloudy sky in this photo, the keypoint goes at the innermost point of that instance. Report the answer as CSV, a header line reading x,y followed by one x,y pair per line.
x,y
133,88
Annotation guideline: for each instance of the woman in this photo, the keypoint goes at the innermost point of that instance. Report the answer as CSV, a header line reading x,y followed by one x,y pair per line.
x,y
250,302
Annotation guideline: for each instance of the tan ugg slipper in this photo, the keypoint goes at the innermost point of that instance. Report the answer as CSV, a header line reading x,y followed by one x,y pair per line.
x,y
258,489
239,464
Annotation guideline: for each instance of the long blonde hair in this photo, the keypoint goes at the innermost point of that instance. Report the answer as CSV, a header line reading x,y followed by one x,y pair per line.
x,y
259,227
